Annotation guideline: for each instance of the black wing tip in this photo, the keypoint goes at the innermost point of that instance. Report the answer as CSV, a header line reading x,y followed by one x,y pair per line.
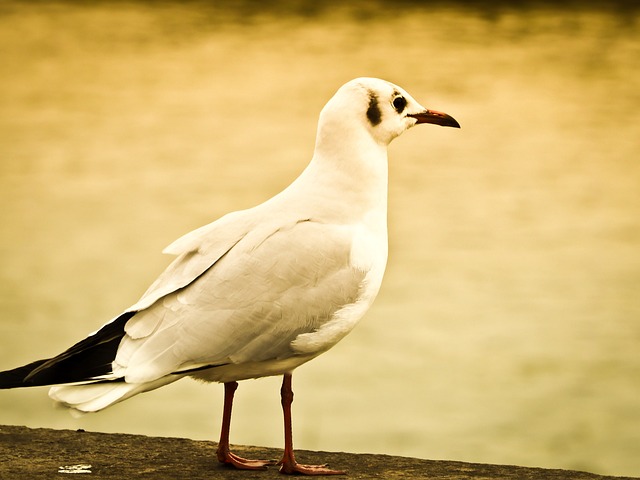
x,y
85,361
18,377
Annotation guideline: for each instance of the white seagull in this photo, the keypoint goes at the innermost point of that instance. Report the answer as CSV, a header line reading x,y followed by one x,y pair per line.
x,y
261,291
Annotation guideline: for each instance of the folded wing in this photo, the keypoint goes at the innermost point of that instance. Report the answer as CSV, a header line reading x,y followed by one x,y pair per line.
x,y
248,307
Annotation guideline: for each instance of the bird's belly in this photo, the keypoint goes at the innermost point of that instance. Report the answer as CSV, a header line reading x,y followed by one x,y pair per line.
x,y
247,370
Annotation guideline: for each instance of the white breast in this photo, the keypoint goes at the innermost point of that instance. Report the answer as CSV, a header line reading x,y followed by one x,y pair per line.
x,y
368,254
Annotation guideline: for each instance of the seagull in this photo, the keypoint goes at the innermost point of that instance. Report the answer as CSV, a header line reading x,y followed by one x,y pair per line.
x,y
261,291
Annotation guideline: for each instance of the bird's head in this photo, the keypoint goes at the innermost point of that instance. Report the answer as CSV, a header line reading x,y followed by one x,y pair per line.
x,y
382,108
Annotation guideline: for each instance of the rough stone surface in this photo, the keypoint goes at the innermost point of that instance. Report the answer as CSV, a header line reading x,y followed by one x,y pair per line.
x,y
41,453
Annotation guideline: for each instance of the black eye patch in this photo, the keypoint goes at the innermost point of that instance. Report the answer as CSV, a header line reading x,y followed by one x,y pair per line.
x,y
399,103
373,112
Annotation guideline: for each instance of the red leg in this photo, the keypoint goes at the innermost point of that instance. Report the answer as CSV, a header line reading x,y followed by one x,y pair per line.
x,y
288,463
223,453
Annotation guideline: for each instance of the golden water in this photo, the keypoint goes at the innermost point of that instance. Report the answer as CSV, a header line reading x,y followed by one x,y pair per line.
x,y
508,326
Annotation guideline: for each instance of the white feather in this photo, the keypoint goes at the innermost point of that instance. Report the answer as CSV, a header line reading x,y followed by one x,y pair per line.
x,y
97,396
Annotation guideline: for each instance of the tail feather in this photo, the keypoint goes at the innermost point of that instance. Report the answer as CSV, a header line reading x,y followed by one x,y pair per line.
x,y
94,397
83,374
86,361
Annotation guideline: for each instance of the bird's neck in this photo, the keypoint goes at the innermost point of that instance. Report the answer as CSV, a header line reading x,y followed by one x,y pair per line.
x,y
349,179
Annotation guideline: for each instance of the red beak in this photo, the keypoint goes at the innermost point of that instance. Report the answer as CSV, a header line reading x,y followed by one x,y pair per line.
x,y
437,118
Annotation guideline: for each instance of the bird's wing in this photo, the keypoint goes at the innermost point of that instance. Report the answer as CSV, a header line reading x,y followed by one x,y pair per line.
x,y
197,251
271,286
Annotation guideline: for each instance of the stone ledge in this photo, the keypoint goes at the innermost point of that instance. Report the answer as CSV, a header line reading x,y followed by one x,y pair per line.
x,y
40,453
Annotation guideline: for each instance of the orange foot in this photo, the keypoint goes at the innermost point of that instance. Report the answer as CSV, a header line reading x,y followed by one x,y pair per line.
x,y
234,460
294,468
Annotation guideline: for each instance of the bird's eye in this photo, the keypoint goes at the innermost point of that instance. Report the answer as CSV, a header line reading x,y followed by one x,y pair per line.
x,y
399,103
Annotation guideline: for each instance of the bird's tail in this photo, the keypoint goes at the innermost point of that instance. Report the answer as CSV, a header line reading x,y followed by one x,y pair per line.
x,y
82,376
97,396
88,361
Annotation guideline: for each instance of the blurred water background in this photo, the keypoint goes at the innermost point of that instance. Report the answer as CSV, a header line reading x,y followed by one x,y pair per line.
x,y
508,326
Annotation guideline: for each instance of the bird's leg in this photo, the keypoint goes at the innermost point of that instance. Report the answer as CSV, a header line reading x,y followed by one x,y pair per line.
x,y
288,463
224,453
